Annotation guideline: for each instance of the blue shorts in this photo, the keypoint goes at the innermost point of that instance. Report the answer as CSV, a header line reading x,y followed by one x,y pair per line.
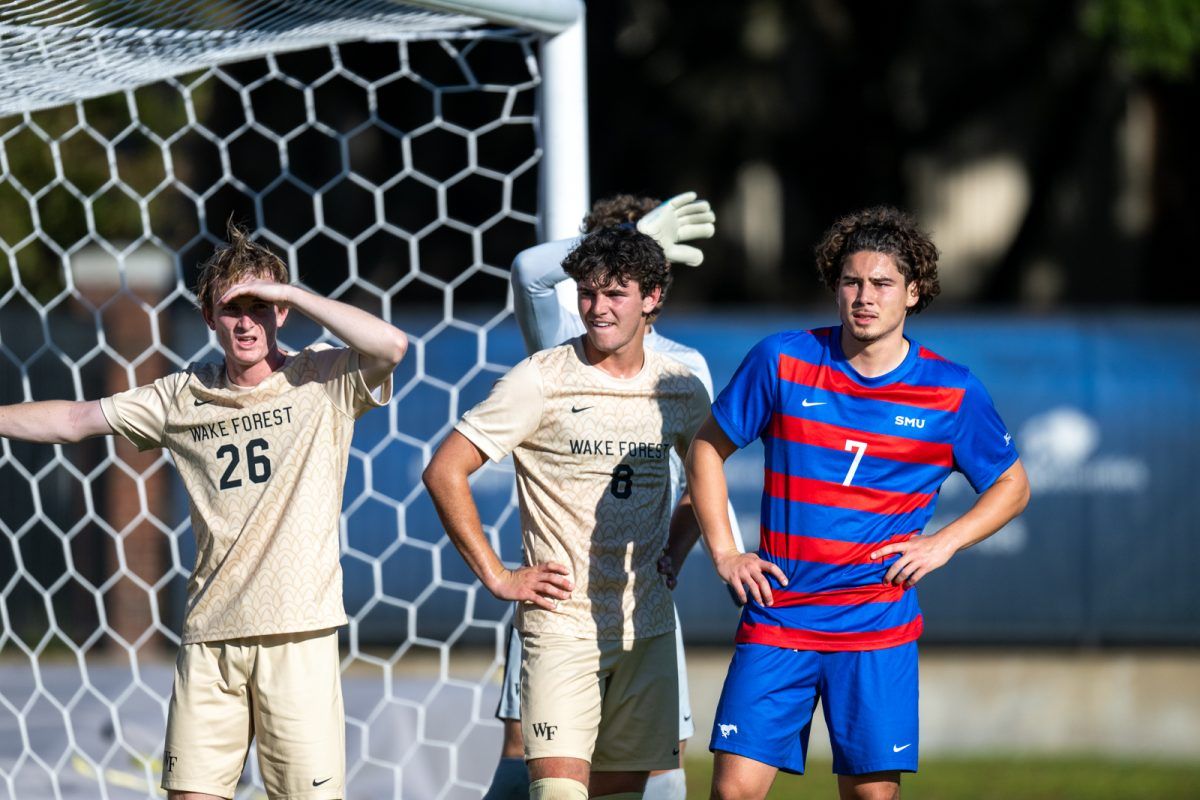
x,y
869,698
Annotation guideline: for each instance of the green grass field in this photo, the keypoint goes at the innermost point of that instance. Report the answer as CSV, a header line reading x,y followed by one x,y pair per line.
x,y
996,779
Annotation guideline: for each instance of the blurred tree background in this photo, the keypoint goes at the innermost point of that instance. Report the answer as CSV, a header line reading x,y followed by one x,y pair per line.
x,y
1049,147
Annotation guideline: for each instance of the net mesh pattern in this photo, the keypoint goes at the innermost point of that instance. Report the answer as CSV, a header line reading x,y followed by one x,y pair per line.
x,y
398,175
57,52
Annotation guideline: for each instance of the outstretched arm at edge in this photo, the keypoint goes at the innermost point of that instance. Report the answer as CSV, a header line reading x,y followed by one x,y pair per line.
x,y
446,479
54,421
535,274
710,498
379,344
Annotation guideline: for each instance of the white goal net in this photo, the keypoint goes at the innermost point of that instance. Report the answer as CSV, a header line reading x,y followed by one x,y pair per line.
x,y
391,154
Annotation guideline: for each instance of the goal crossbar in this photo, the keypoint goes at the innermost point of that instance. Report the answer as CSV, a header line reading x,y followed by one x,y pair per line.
x,y
56,53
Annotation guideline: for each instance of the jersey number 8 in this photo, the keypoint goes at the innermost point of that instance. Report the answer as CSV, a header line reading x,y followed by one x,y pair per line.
x,y
622,482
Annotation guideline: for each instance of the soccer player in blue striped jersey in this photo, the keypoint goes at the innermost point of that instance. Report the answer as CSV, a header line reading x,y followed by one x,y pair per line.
x,y
860,427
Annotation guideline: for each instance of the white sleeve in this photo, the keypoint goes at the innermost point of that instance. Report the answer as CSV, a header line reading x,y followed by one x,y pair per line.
x,y
690,357
696,363
536,273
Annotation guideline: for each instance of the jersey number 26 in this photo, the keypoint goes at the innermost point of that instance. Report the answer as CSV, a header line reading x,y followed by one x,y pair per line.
x,y
258,466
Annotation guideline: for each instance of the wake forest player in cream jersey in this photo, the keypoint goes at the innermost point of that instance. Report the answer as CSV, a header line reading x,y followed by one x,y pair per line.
x,y
261,442
590,425
545,303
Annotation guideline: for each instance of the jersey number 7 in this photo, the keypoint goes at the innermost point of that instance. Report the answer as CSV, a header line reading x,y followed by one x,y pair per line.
x,y
859,448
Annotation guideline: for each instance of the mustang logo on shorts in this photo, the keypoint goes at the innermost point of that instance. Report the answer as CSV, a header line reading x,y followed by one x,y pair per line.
x,y
726,730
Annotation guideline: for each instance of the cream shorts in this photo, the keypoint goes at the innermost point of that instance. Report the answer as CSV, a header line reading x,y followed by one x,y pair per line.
x,y
285,690
614,703
509,706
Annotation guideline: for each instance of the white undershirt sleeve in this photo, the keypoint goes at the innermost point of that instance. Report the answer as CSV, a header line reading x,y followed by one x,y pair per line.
x,y
536,273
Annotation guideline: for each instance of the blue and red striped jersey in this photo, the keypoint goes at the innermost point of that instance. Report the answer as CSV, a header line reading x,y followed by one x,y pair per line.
x,y
851,463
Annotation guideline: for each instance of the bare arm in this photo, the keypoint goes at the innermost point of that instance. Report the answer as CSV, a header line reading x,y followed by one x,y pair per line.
x,y
995,508
379,344
710,499
446,479
53,421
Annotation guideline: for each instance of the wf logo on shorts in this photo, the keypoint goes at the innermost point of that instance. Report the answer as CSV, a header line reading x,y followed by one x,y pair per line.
x,y
169,760
726,730
545,730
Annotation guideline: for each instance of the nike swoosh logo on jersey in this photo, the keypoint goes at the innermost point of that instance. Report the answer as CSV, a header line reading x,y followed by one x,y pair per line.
x,y
203,402
318,783
902,747
807,404
575,410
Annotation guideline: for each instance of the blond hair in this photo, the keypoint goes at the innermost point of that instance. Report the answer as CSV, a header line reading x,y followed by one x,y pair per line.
x,y
234,261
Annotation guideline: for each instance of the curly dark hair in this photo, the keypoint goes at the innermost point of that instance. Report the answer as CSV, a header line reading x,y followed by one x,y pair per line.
x,y
234,261
621,254
609,212
881,229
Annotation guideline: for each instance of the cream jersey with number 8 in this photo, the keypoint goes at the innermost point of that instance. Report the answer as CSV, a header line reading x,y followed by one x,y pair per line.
x,y
593,477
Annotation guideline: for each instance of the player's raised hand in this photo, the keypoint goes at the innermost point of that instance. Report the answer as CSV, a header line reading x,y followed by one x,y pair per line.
x,y
747,572
541,584
683,218
920,556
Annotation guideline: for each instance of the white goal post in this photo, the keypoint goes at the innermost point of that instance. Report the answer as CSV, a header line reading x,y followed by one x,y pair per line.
x,y
396,155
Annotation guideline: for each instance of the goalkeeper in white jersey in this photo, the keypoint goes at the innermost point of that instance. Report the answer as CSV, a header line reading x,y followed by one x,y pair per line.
x,y
261,440
544,301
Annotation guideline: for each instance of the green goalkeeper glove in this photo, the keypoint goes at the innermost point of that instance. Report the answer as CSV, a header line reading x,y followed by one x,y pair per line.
x,y
683,218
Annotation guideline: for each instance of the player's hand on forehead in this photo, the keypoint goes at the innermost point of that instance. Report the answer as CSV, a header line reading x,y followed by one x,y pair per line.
x,y
268,290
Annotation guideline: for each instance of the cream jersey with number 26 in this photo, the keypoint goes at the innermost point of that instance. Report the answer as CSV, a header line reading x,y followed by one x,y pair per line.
x,y
264,468
591,453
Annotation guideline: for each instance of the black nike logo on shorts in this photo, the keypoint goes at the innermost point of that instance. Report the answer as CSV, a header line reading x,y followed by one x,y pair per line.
x,y
318,783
